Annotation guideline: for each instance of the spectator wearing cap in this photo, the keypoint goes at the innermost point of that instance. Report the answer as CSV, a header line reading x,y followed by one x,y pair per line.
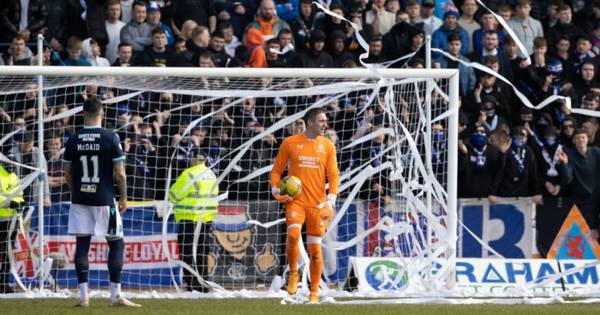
x,y
337,49
137,32
564,27
113,29
439,39
520,176
316,57
303,25
266,22
466,73
526,27
480,166
430,21
581,168
153,19
488,23
381,20
467,21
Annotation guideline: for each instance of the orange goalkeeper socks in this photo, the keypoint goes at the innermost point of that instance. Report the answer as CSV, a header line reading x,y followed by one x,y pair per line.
x,y
292,250
316,266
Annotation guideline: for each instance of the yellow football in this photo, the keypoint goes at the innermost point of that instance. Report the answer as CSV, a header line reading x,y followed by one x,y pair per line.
x,y
291,186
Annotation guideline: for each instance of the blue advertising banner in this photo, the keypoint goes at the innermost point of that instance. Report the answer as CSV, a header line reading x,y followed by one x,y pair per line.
x,y
507,227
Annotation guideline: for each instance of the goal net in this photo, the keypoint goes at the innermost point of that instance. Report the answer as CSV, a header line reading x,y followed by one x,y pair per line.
x,y
395,132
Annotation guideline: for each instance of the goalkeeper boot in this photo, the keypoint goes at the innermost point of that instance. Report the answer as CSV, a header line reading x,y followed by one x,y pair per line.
x,y
121,301
313,298
292,285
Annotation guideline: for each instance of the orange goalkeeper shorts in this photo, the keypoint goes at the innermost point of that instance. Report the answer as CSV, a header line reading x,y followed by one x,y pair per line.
x,y
297,215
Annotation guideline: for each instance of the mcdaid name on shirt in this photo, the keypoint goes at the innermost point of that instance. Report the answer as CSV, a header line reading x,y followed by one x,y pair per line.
x,y
88,147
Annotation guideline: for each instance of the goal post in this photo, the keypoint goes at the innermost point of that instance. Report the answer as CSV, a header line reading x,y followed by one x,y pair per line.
x,y
239,116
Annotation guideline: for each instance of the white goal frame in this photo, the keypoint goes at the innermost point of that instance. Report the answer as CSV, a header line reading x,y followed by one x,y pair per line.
x,y
451,75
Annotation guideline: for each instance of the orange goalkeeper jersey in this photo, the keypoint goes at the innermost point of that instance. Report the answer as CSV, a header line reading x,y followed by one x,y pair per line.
x,y
312,161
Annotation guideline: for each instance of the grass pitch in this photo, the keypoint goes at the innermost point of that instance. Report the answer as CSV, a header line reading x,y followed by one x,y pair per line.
x,y
273,306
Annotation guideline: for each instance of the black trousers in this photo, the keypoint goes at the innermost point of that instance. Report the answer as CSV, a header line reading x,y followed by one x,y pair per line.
x,y
5,240
185,238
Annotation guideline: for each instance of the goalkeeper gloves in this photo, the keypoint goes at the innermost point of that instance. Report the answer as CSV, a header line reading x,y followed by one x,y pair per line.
x,y
279,197
328,212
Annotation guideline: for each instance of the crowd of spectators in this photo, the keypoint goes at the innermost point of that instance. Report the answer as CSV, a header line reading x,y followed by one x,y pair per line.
x,y
505,148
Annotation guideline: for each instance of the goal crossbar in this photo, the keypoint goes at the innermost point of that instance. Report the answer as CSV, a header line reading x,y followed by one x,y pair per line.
x,y
354,73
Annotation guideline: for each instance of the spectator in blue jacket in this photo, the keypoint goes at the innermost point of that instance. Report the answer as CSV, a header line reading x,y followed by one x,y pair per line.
x,y
439,39
466,73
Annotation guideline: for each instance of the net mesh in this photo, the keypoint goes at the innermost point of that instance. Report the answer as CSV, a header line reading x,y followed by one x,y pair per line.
x,y
391,144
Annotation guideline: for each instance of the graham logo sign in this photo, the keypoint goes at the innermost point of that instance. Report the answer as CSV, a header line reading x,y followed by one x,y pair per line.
x,y
386,275
484,277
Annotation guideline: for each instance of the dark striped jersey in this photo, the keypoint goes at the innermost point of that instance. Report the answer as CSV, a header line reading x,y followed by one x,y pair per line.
x,y
91,152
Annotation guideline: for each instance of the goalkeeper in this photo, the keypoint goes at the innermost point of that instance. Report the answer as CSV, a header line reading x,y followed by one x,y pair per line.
x,y
312,158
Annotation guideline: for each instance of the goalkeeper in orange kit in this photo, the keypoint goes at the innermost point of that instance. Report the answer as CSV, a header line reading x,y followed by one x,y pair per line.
x,y
312,158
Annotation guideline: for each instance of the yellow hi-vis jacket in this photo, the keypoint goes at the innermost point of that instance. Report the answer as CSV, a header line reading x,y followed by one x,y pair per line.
x,y
194,194
9,183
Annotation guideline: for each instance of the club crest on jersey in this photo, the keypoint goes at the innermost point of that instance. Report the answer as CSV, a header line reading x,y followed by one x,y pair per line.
x,y
320,148
299,146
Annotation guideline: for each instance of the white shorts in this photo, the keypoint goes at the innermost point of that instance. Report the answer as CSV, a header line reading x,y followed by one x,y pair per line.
x,y
95,220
